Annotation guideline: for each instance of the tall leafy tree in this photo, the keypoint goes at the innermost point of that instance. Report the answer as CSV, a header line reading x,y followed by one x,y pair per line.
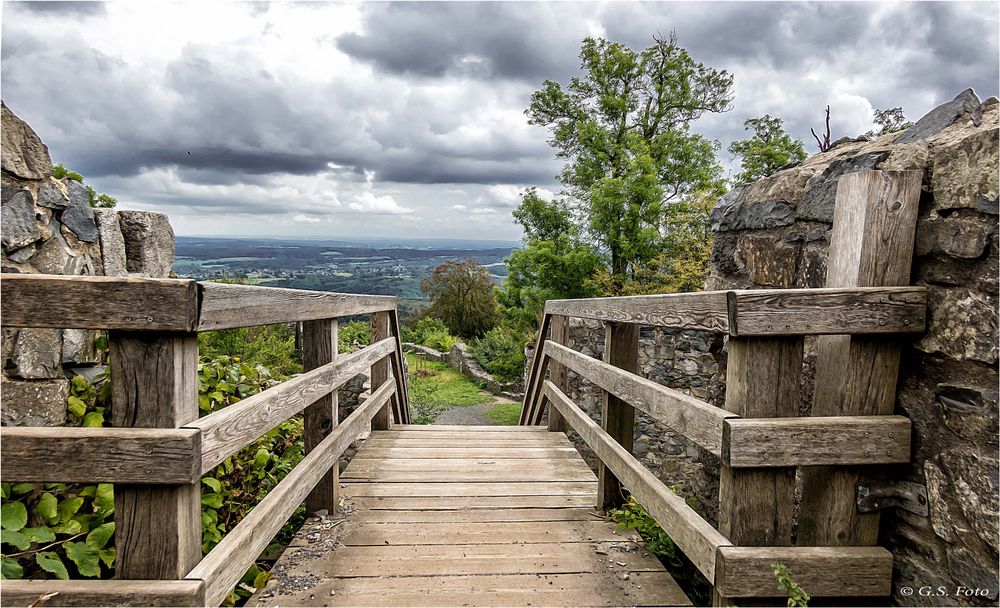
x,y
624,128
768,149
462,296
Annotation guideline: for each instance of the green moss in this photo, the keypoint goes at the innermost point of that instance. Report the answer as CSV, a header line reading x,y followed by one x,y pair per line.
x,y
436,387
506,414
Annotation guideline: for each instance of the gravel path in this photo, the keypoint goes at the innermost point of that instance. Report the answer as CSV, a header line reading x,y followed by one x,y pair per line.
x,y
474,415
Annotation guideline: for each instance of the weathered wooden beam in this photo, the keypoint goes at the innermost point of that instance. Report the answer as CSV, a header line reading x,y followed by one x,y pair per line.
x,y
828,440
85,593
319,347
531,406
155,385
380,369
693,418
872,245
31,300
621,350
100,455
399,371
775,312
559,373
706,310
696,537
228,561
821,571
228,430
225,306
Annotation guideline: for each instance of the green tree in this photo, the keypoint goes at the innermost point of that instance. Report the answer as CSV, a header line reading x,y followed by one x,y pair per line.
x,y
889,121
462,295
624,129
767,150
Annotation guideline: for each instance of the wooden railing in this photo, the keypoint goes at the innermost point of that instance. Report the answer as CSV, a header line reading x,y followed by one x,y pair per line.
x,y
158,448
759,436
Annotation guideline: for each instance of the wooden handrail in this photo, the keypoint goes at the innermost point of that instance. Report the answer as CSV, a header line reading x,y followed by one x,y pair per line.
x,y
230,429
102,593
228,561
764,312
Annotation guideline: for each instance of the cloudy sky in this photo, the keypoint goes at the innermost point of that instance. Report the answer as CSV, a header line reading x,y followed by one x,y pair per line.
x,y
325,119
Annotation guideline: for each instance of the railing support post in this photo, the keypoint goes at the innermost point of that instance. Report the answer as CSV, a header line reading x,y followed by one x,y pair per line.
x,y
621,349
319,347
762,381
154,384
380,370
558,373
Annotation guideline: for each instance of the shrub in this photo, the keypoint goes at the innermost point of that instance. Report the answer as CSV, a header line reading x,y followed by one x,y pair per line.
x,y
430,332
354,335
501,353
271,346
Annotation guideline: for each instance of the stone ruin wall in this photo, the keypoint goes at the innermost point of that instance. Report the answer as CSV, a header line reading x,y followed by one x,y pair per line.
x,y
775,234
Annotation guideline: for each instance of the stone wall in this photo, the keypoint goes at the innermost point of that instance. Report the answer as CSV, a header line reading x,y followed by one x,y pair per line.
x,y
49,227
775,233
461,359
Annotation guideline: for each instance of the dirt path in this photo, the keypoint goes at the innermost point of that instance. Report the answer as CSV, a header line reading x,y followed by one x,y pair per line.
x,y
473,415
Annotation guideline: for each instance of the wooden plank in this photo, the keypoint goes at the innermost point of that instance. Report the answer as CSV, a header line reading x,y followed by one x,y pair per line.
x,y
466,559
228,561
361,466
461,428
621,350
692,534
876,310
511,438
319,348
762,381
398,369
470,516
822,571
492,473
445,533
225,306
100,455
379,372
559,373
31,300
471,502
703,310
543,453
871,245
693,418
225,432
828,440
445,442
530,488
531,406
84,593
155,385
641,589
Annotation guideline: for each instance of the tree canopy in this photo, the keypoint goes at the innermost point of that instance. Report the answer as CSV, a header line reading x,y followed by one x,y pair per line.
x,y
461,294
767,150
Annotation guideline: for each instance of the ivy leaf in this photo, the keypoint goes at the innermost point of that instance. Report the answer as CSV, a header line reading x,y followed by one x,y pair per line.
x,y
76,406
212,483
260,458
4,490
260,581
70,527
93,420
50,562
16,539
85,557
212,500
104,499
21,488
79,383
47,506
107,556
68,507
11,569
99,536
13,516
41,534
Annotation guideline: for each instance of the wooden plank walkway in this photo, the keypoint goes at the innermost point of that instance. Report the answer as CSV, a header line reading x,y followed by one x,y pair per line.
x,y
468,516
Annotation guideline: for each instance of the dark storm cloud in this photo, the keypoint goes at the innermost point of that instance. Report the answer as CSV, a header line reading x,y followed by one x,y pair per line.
x,y
57,8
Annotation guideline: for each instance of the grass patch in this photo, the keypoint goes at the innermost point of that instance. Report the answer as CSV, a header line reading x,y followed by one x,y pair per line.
x,y
436,386
506,414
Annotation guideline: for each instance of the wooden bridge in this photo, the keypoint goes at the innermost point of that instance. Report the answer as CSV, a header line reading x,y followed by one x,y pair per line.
x,y
477,516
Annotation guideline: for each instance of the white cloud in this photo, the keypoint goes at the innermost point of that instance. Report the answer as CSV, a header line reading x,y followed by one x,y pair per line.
x,y
366,202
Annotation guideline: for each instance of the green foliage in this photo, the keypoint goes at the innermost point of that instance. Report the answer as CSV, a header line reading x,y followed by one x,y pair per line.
x,y
767,150
889,121
797,596
501,353
632,515
542,220
624,128
270,346
429,332
436,386
461,294
506,414
352,336
100,199
61,172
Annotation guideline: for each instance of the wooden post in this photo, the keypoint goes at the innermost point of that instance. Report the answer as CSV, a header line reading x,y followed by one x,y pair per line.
x,y
621,349
380,370
319,347
559,373
871,246
154,384
762,381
